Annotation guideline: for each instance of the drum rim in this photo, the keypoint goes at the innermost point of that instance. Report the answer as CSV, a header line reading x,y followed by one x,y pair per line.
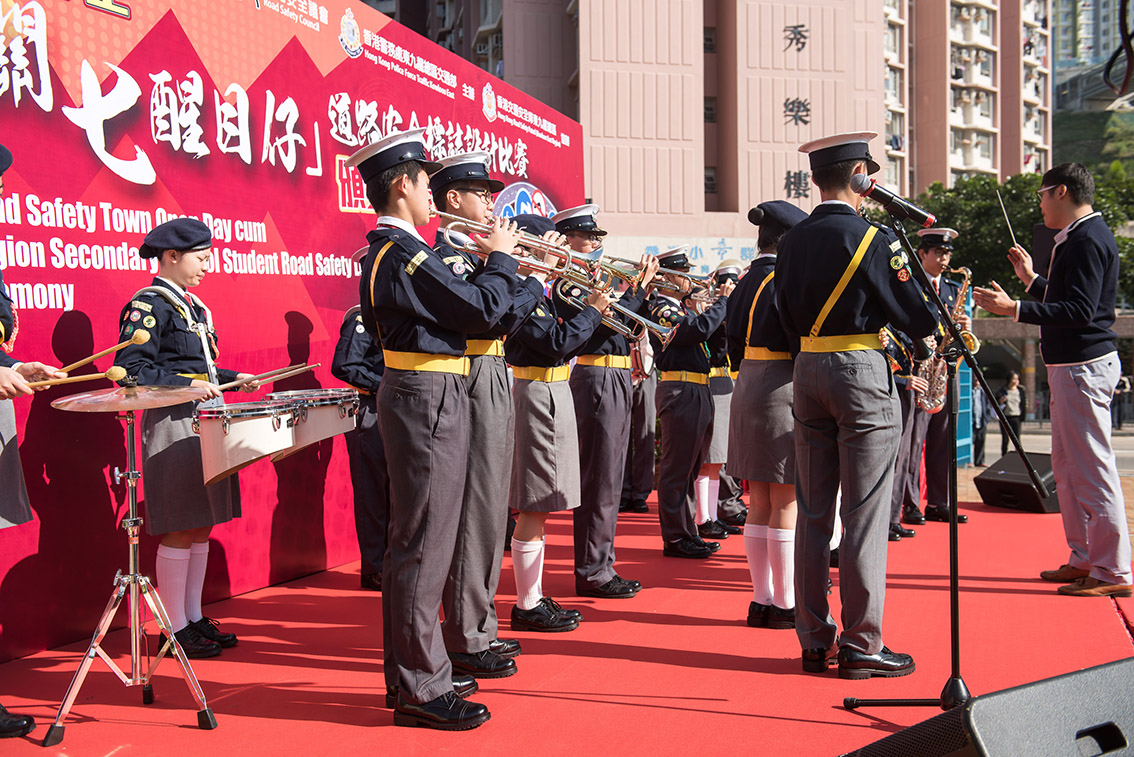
x,y
256,409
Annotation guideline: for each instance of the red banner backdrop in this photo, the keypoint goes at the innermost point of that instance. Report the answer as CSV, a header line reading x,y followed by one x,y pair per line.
x,y
122,115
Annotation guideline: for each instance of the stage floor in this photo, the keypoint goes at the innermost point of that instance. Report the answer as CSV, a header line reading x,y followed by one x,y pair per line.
x,y
671,671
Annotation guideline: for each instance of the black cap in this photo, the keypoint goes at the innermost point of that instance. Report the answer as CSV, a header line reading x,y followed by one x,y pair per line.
x,y
536,225
5,159
394,149
676,258
776,212
471,166
182,234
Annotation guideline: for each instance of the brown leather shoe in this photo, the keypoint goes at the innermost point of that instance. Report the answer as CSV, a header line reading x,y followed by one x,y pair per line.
x,y
1064,574
1093,587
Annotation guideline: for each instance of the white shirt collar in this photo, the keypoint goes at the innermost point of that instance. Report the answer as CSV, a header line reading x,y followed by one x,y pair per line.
x,y
1062,235
183,292
838,202
766,255
400,224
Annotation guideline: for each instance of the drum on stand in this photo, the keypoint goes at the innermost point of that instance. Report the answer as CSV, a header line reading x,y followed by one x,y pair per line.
x,y
237,435
320,414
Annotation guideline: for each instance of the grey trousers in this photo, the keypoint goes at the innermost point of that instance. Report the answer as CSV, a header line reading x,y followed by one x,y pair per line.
x,y
638,481
930,432
424,420
1086,475
686,414
14,505
602,414
901,465
846,434
371,484
470,616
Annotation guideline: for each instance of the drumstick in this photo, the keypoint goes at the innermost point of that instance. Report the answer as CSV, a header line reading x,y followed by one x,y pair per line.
x,y
113,373
1005,212
139,337
275,375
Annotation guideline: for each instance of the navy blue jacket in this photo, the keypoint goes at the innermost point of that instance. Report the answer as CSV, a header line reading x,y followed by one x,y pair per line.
x,y
766,331
606,341
553,334
688,350
358,357
1075,311
412,302
7,323
899,353
813,256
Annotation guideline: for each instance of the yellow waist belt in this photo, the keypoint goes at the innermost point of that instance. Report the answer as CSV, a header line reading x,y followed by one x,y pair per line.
x,y
720,370
424,361
478,347
840,343
195,376
539,373
605,361
763,353
686,376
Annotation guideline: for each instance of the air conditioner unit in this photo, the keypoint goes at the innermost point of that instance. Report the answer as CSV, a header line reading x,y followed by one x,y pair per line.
x,y
497,39
482,48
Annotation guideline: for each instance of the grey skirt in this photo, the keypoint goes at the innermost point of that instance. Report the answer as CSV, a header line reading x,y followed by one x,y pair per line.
x,y
721,387
761,428
545,470
172,478
14,506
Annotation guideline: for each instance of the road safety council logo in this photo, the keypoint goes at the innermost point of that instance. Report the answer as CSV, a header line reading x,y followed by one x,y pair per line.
x,y
488,102
349,35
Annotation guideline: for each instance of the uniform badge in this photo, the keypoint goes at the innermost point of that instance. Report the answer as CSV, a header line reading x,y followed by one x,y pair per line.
x,y
903,275
149,321
359,328
128,330
417,260
460,268
135,316
540,313
897,263
142,305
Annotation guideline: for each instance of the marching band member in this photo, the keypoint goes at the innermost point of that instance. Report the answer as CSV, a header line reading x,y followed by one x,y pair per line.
x,y
545,472
602,387
358,362
839,280
181,351
710,522
638,476
14,377
463,187
899,351
685,409
421,313
761,430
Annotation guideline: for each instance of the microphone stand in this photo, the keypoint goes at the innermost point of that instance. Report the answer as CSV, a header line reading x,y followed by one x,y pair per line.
x,y
955,693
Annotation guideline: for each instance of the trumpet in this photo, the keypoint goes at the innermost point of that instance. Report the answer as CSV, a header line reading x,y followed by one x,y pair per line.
x,y
632,274
529,241
636,329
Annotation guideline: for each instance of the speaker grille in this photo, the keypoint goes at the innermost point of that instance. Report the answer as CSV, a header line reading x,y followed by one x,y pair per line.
x,y
939,736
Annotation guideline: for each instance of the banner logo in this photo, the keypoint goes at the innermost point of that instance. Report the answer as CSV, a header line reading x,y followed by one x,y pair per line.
x,y
349,35
488,102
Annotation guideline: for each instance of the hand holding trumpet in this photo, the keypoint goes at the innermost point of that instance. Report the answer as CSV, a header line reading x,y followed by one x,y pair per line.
x,y
503,236
600,300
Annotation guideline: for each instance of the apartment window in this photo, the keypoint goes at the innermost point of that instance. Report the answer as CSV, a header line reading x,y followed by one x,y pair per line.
x,y
710,180
893,40
710,39
710,110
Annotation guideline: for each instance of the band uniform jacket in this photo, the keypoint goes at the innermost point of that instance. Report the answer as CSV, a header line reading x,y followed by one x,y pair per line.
x,y
7,323
766,330
358,356
688,349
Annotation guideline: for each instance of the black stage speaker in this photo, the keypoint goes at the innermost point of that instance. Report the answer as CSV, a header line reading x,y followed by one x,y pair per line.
x,y
1089,712
1006,483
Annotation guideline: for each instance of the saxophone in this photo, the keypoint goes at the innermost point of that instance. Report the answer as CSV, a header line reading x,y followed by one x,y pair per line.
x,y
935,370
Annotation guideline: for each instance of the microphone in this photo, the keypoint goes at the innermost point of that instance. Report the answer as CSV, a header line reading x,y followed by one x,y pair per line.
x,y
898,207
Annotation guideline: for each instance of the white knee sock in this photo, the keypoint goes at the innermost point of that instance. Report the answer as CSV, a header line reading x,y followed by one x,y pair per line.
x,y
527,564
837,532
195,581
702,499
781,555
712,497
172,571
756,548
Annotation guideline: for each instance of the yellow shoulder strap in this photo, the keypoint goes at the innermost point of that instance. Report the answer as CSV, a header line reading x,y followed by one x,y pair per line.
x,y
752,310
859,254
374,269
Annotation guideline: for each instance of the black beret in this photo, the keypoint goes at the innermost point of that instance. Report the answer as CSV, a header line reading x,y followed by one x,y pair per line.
x,y
533,224
776,212
181,234
5,159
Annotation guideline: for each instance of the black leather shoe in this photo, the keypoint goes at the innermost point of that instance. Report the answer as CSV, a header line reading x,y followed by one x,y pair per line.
x,y
886,664
635,585
686,547
447,712
505,647
757,615
371,581
13,726
941,514
639,506
486,664
624,506
912,515
211,631
551,604
711,529
615,588
195,645
731,529
737,520
818,659
901,532
779,618
463,686
713,546
542,618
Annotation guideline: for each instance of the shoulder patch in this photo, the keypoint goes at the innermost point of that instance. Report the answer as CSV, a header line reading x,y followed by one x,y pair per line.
x,y
896,245
141,305
897,263
415,261
903,275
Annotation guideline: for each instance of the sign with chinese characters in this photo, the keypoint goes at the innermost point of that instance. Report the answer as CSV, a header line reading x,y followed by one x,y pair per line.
x,y
124,114
705,253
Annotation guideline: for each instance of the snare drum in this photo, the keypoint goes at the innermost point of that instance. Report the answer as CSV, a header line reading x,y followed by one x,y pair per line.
x,y
237,435
319,414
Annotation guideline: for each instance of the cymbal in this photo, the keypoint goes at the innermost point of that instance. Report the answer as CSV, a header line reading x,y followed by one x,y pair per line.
x,y
122,398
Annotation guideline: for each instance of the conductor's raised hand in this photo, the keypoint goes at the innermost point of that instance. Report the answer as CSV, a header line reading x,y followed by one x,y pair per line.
x,y
994,299
1022,264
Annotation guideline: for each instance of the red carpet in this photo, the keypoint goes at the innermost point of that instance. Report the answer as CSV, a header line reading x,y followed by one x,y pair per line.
x,y
672,671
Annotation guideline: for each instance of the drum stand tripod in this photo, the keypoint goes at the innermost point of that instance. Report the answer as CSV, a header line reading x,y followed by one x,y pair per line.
x,y
139,587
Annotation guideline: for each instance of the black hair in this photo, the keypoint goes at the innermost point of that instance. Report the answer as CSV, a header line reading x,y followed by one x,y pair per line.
x,y
441,194
1076,177
836,176
769,236
378,189
1011,374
